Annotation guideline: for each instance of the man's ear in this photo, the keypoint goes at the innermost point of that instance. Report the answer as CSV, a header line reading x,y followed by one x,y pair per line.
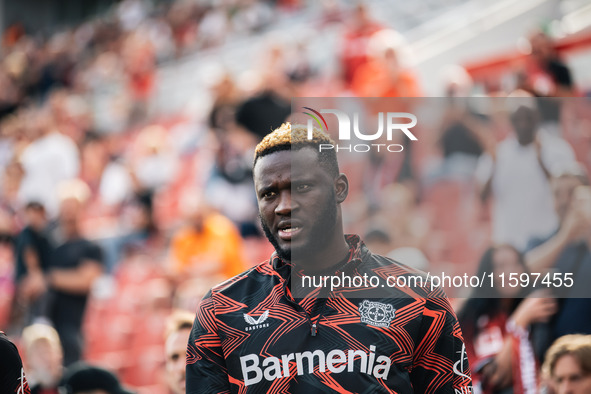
x,y
341,185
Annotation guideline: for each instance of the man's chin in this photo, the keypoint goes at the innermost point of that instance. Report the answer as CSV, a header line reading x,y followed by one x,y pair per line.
x,y
292,253
284,254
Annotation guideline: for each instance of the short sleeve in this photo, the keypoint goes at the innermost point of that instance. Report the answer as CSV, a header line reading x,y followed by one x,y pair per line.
x,y
94,252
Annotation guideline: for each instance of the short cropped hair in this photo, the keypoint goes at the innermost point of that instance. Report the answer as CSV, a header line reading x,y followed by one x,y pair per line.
x,y
295,137
577,345
177,321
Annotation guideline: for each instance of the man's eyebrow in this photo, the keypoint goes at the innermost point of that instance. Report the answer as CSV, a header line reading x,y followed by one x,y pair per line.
x,y
303,178
265,189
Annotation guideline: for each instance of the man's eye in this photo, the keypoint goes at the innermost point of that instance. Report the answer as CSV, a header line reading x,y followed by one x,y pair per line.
x,y
303,187
268,194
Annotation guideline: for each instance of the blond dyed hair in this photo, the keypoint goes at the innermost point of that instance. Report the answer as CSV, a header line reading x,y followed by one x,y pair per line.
x,y
295,137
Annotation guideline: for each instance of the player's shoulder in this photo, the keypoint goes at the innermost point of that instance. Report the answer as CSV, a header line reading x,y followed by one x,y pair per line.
x,y
394,266
256,276
415,279
10,356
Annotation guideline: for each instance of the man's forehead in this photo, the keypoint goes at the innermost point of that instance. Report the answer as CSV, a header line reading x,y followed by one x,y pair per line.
x,y
291,162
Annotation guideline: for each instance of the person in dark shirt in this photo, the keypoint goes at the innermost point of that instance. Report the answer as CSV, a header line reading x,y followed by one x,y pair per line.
x,y
12,375
549,75
263,112
32,254
76,263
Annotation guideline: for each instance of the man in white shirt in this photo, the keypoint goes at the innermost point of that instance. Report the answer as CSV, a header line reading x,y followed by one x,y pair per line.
x,y
516,175
47,161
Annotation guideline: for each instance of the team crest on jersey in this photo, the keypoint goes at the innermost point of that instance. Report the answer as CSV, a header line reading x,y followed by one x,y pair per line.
x,y
256,323
376,314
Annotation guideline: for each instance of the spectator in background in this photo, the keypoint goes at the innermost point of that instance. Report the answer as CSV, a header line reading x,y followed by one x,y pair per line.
x,y
139,60
251,16
183,18
516,175
177,335
75,265
154,163
542,253
387,72
332,13
137,230
32,254
568,365
496,322
50,159
108,179
225,99
229,186
9,94
354,48
463,134
81,378
44,358
213,27
208,246
270,105
547,75
568,251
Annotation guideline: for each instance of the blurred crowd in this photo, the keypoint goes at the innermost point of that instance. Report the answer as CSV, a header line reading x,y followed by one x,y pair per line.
x,y
115,221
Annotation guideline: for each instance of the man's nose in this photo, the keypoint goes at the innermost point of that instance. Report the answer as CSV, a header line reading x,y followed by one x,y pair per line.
x,y
285,203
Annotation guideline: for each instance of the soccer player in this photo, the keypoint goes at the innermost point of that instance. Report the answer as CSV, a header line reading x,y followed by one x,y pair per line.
x,y
253,333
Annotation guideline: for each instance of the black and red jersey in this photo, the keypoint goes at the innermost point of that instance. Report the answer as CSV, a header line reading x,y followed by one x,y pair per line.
x,y
251,335
12,375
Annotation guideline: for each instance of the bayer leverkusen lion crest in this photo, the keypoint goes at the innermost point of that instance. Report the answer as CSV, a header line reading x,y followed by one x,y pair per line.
x,y
376,314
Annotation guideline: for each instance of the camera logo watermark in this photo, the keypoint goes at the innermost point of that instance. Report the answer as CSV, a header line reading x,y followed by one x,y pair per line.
x,y
389,123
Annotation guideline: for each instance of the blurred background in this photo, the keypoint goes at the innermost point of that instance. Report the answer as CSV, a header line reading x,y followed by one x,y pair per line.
x,y
127,131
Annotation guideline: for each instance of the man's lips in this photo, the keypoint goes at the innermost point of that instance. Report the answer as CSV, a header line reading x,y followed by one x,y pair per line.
x,y
288,230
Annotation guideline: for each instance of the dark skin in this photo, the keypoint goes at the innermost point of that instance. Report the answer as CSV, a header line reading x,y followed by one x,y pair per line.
x,y
294,193
525,122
